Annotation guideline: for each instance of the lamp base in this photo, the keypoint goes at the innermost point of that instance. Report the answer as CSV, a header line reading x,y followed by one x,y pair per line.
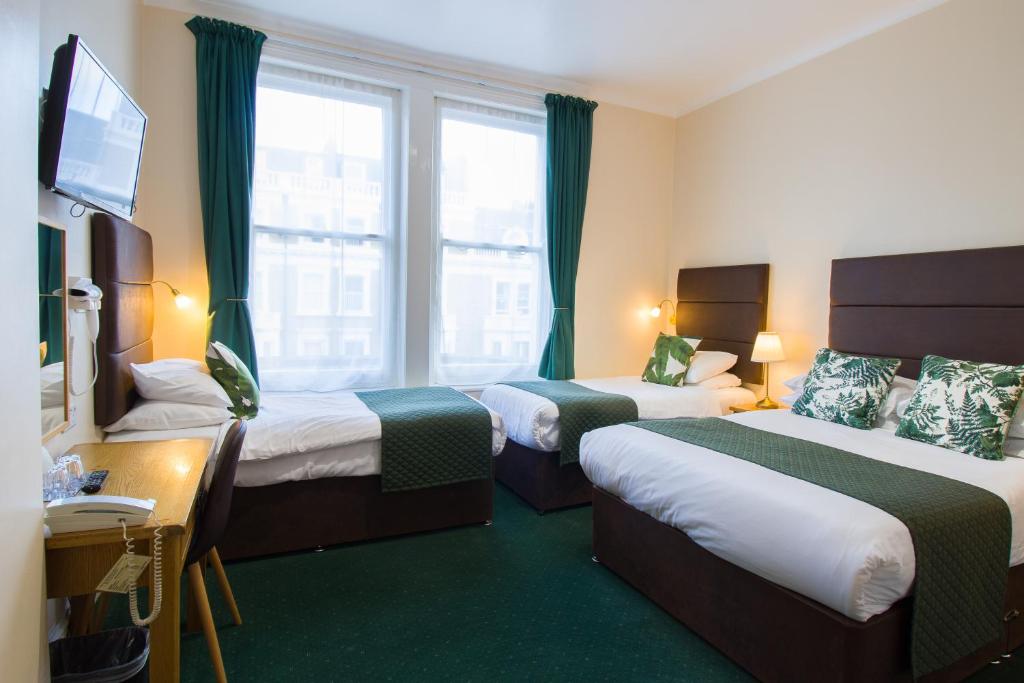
x,y
766,404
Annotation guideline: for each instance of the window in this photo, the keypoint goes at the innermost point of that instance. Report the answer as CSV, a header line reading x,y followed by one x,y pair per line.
x,y
324,231
353,295
523,299
490,222
502,292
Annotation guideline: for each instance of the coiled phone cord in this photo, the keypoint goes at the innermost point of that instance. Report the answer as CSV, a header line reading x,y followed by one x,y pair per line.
x,y
157,585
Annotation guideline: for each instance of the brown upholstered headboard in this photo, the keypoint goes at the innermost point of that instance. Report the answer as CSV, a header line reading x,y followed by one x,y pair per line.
x,y
967,305
122,266
726,306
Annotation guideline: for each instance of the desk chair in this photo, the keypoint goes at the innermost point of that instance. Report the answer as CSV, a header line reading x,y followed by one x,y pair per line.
x,y
211,520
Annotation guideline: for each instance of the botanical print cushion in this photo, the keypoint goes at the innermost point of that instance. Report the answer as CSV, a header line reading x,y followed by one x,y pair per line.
x,y
963,406
849,390
670,359
230,371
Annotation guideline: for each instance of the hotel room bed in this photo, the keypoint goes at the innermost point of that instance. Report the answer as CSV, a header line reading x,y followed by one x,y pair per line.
x,y
839,551
297,437
532,420
724,306
794,581
313,476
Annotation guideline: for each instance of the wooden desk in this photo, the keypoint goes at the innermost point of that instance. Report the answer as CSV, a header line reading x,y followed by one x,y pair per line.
x,y
170,472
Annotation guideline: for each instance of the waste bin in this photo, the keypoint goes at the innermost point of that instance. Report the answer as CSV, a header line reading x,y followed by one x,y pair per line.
x,y
114,656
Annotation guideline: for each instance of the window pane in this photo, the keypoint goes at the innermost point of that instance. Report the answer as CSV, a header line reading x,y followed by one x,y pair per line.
x,y
482,338
493,313
322,293
490,187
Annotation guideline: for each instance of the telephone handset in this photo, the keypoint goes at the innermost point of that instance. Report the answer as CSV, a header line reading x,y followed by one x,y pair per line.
x,y
85,513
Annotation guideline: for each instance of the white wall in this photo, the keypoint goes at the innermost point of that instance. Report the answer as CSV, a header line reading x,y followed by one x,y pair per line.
x,y
110,29
21,562
625,233
908,140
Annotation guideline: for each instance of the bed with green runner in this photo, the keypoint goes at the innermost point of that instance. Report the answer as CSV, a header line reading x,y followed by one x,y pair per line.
x,y
807,550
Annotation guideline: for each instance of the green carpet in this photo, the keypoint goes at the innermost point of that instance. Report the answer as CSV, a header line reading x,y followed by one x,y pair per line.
x,y
520,600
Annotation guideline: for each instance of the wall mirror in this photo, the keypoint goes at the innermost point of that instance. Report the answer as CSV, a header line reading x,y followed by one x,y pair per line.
x,y
53,329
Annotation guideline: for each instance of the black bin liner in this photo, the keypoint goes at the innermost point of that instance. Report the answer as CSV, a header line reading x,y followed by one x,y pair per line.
x,y
114,656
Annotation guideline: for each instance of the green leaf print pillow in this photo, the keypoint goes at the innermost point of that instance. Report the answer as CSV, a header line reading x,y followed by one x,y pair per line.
x,y
670,359
963,406
849,390
232,374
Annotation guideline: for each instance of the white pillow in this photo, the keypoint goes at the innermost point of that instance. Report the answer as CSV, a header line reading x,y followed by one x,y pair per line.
x,y
1017,423
723,380
51,385
151,415
707,364
179,380
896,401
796,384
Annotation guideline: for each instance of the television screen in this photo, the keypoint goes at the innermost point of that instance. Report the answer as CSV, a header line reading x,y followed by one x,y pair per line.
x,y
91,143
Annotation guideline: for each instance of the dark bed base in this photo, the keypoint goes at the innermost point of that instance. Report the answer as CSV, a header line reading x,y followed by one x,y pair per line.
x,y
772,632
298,515
538,478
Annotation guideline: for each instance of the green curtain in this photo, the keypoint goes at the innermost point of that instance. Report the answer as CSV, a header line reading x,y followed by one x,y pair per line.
x,y
227,61
570,131
51,309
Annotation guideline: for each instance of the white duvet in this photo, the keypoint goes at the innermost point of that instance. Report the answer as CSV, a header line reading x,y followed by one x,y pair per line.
x,y
304,436
837,550
532,420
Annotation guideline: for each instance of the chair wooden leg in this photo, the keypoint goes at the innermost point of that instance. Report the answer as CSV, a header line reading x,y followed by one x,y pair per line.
x,y
225,587
198,586
100,612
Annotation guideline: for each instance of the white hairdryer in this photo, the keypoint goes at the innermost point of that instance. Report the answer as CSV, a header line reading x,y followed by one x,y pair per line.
x,y
86,298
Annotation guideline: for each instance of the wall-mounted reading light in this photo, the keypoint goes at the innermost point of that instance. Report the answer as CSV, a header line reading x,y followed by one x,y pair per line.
x,y
656,311
180,300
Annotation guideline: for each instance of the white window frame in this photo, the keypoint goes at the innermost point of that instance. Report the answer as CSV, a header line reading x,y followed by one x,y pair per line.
x,y
486,108
414,214
277,63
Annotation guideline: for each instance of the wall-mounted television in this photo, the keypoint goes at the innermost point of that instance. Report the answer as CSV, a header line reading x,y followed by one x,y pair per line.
x,y
90,145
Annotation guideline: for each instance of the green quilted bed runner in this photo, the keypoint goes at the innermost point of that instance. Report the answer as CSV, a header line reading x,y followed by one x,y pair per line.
x,y
430,436
961,533
580,410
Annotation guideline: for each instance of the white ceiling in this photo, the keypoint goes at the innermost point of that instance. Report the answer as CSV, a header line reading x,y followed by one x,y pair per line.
x,y
665,56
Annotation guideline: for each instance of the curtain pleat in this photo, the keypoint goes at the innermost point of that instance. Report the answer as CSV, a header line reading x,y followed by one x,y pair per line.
x,y
227,62
570,133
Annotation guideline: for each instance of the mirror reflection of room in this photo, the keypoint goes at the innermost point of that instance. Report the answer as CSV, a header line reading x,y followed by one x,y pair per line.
x,y
53,344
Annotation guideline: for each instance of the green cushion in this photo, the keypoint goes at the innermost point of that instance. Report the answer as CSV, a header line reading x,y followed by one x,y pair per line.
x,y
963,406
670,359
232,374
849,390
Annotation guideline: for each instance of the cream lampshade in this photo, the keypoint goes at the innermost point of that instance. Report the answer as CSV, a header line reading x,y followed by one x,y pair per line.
x,y
767,350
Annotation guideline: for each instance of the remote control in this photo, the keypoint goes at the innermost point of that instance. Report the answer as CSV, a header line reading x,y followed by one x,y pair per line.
x,y
94,482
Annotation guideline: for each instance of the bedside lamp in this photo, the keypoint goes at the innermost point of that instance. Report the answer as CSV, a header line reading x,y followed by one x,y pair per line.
x,y
180,300
767,350
656,311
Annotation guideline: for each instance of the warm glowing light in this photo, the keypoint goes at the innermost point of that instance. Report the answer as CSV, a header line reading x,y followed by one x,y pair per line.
x,y
182,301
656,311
767,348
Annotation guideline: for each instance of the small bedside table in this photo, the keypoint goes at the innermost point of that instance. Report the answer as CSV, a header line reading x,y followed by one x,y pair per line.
x,y
750,407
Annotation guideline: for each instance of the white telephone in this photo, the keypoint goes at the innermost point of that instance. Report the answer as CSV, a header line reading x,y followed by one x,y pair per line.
x,y
86,513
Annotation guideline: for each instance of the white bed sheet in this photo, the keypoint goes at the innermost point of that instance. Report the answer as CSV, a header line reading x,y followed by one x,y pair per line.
x,y
837,550
532,420
302,436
